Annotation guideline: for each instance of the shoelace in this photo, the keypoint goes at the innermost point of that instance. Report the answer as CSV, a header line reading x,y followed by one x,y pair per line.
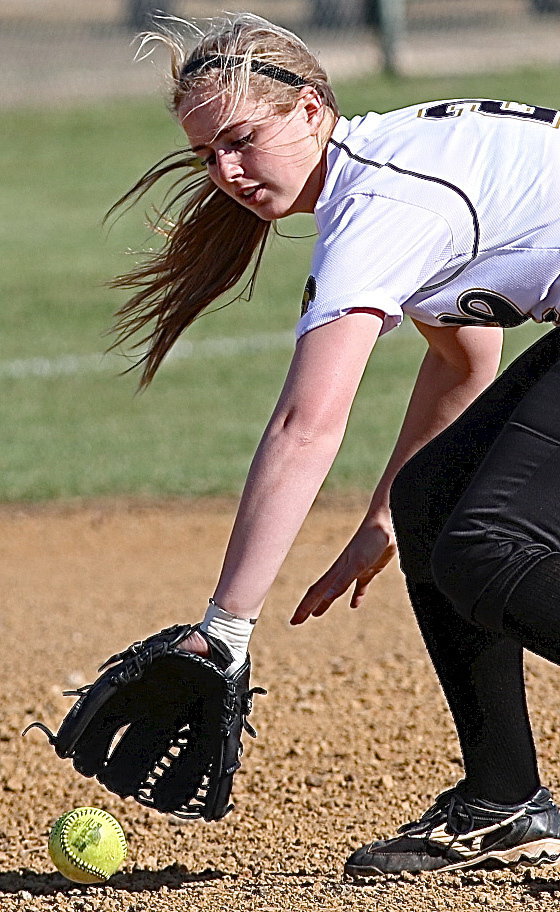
x,y
453,809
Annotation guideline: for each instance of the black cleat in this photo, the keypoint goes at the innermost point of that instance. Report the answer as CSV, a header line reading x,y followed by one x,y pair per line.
x,y
463,832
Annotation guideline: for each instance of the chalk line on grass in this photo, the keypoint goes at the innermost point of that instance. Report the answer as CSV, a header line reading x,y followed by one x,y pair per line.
x,y
72,365
226,346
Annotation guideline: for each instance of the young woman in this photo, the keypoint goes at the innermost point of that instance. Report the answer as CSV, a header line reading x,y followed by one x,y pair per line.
x,y
448,212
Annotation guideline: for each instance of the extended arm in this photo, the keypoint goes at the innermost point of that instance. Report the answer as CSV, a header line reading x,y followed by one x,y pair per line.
x,y
459,364
294,456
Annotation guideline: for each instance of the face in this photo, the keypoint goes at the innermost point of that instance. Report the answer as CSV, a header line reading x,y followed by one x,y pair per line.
x,y
268,162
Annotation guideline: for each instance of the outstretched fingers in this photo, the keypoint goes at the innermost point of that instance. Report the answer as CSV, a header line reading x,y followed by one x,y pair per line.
x,y
367,554
360,590
319,597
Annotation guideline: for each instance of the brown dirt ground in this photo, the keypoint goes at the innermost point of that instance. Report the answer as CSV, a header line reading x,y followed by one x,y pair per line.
x,y
353,739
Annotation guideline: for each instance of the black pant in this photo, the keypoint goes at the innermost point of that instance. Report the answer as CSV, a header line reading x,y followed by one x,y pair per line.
x,y
474,512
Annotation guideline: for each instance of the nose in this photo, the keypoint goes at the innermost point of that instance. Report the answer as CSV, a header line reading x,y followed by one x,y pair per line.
x,y
228,164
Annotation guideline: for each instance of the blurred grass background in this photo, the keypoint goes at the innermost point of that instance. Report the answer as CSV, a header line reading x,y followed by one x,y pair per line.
x,y
84,432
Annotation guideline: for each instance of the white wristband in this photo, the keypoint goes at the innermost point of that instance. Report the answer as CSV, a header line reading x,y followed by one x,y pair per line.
x,y
232,630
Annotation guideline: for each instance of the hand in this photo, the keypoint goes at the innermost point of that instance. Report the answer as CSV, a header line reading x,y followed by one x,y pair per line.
x,y
371,549
196,643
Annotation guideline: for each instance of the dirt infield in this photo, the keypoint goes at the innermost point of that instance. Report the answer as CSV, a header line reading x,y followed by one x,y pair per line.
x,y
353,739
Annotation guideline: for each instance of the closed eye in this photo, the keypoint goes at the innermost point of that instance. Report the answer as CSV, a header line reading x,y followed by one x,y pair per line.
x,y
243,141
235,143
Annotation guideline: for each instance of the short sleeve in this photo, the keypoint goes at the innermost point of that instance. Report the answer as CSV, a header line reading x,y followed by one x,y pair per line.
x,y
373,253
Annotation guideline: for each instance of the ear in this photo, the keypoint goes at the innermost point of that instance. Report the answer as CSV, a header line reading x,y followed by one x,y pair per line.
x,y
313,106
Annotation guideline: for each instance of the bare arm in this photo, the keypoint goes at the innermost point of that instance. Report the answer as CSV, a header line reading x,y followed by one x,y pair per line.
x,y
294,456
459,364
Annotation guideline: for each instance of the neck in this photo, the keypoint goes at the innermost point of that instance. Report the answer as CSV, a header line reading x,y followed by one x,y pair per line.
x,y
307,200
316,182
318,175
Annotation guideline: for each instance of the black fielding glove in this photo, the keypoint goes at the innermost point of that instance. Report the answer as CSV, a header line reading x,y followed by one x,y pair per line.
x,y
162,725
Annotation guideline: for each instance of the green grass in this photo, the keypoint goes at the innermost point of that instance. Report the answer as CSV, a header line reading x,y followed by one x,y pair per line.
x,y
195,430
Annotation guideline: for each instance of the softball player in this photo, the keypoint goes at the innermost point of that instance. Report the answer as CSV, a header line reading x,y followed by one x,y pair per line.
x,y
448,212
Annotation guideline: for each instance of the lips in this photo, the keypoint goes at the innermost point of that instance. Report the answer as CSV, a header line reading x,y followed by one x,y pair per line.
x,y
250,194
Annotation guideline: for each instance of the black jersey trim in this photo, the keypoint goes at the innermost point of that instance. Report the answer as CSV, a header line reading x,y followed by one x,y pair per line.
x,y
435,180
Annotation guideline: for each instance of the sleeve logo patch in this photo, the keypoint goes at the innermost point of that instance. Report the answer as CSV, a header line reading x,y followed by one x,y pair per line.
x,y
309,294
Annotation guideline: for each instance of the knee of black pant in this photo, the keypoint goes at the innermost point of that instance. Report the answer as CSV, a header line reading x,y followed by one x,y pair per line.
x,y
452,574
477,569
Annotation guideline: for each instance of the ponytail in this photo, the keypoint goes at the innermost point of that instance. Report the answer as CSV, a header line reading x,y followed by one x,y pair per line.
x,y
207,249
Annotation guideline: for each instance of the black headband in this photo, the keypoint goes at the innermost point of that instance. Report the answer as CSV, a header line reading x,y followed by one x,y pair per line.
x,y
222,62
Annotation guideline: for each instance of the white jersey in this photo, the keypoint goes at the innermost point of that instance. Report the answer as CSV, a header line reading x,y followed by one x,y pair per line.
x,y
448,212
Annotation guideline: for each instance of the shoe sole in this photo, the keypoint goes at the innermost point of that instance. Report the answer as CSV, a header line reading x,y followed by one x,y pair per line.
x,y
543,851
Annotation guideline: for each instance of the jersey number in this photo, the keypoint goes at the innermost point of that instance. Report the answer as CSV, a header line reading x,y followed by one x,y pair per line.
x,y
481,307
494,109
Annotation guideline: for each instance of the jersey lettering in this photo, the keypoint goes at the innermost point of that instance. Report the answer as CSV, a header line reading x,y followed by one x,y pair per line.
x,y
482,307
442,111
516,109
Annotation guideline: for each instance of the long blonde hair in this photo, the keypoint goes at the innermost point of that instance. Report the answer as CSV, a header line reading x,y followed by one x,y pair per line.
x,y
210,240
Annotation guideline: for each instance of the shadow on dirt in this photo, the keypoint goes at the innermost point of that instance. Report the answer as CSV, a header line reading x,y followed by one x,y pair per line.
x,y
530,886
137,881
539,886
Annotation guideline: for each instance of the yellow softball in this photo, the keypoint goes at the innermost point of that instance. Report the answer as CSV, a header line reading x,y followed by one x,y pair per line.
x,y
87,845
